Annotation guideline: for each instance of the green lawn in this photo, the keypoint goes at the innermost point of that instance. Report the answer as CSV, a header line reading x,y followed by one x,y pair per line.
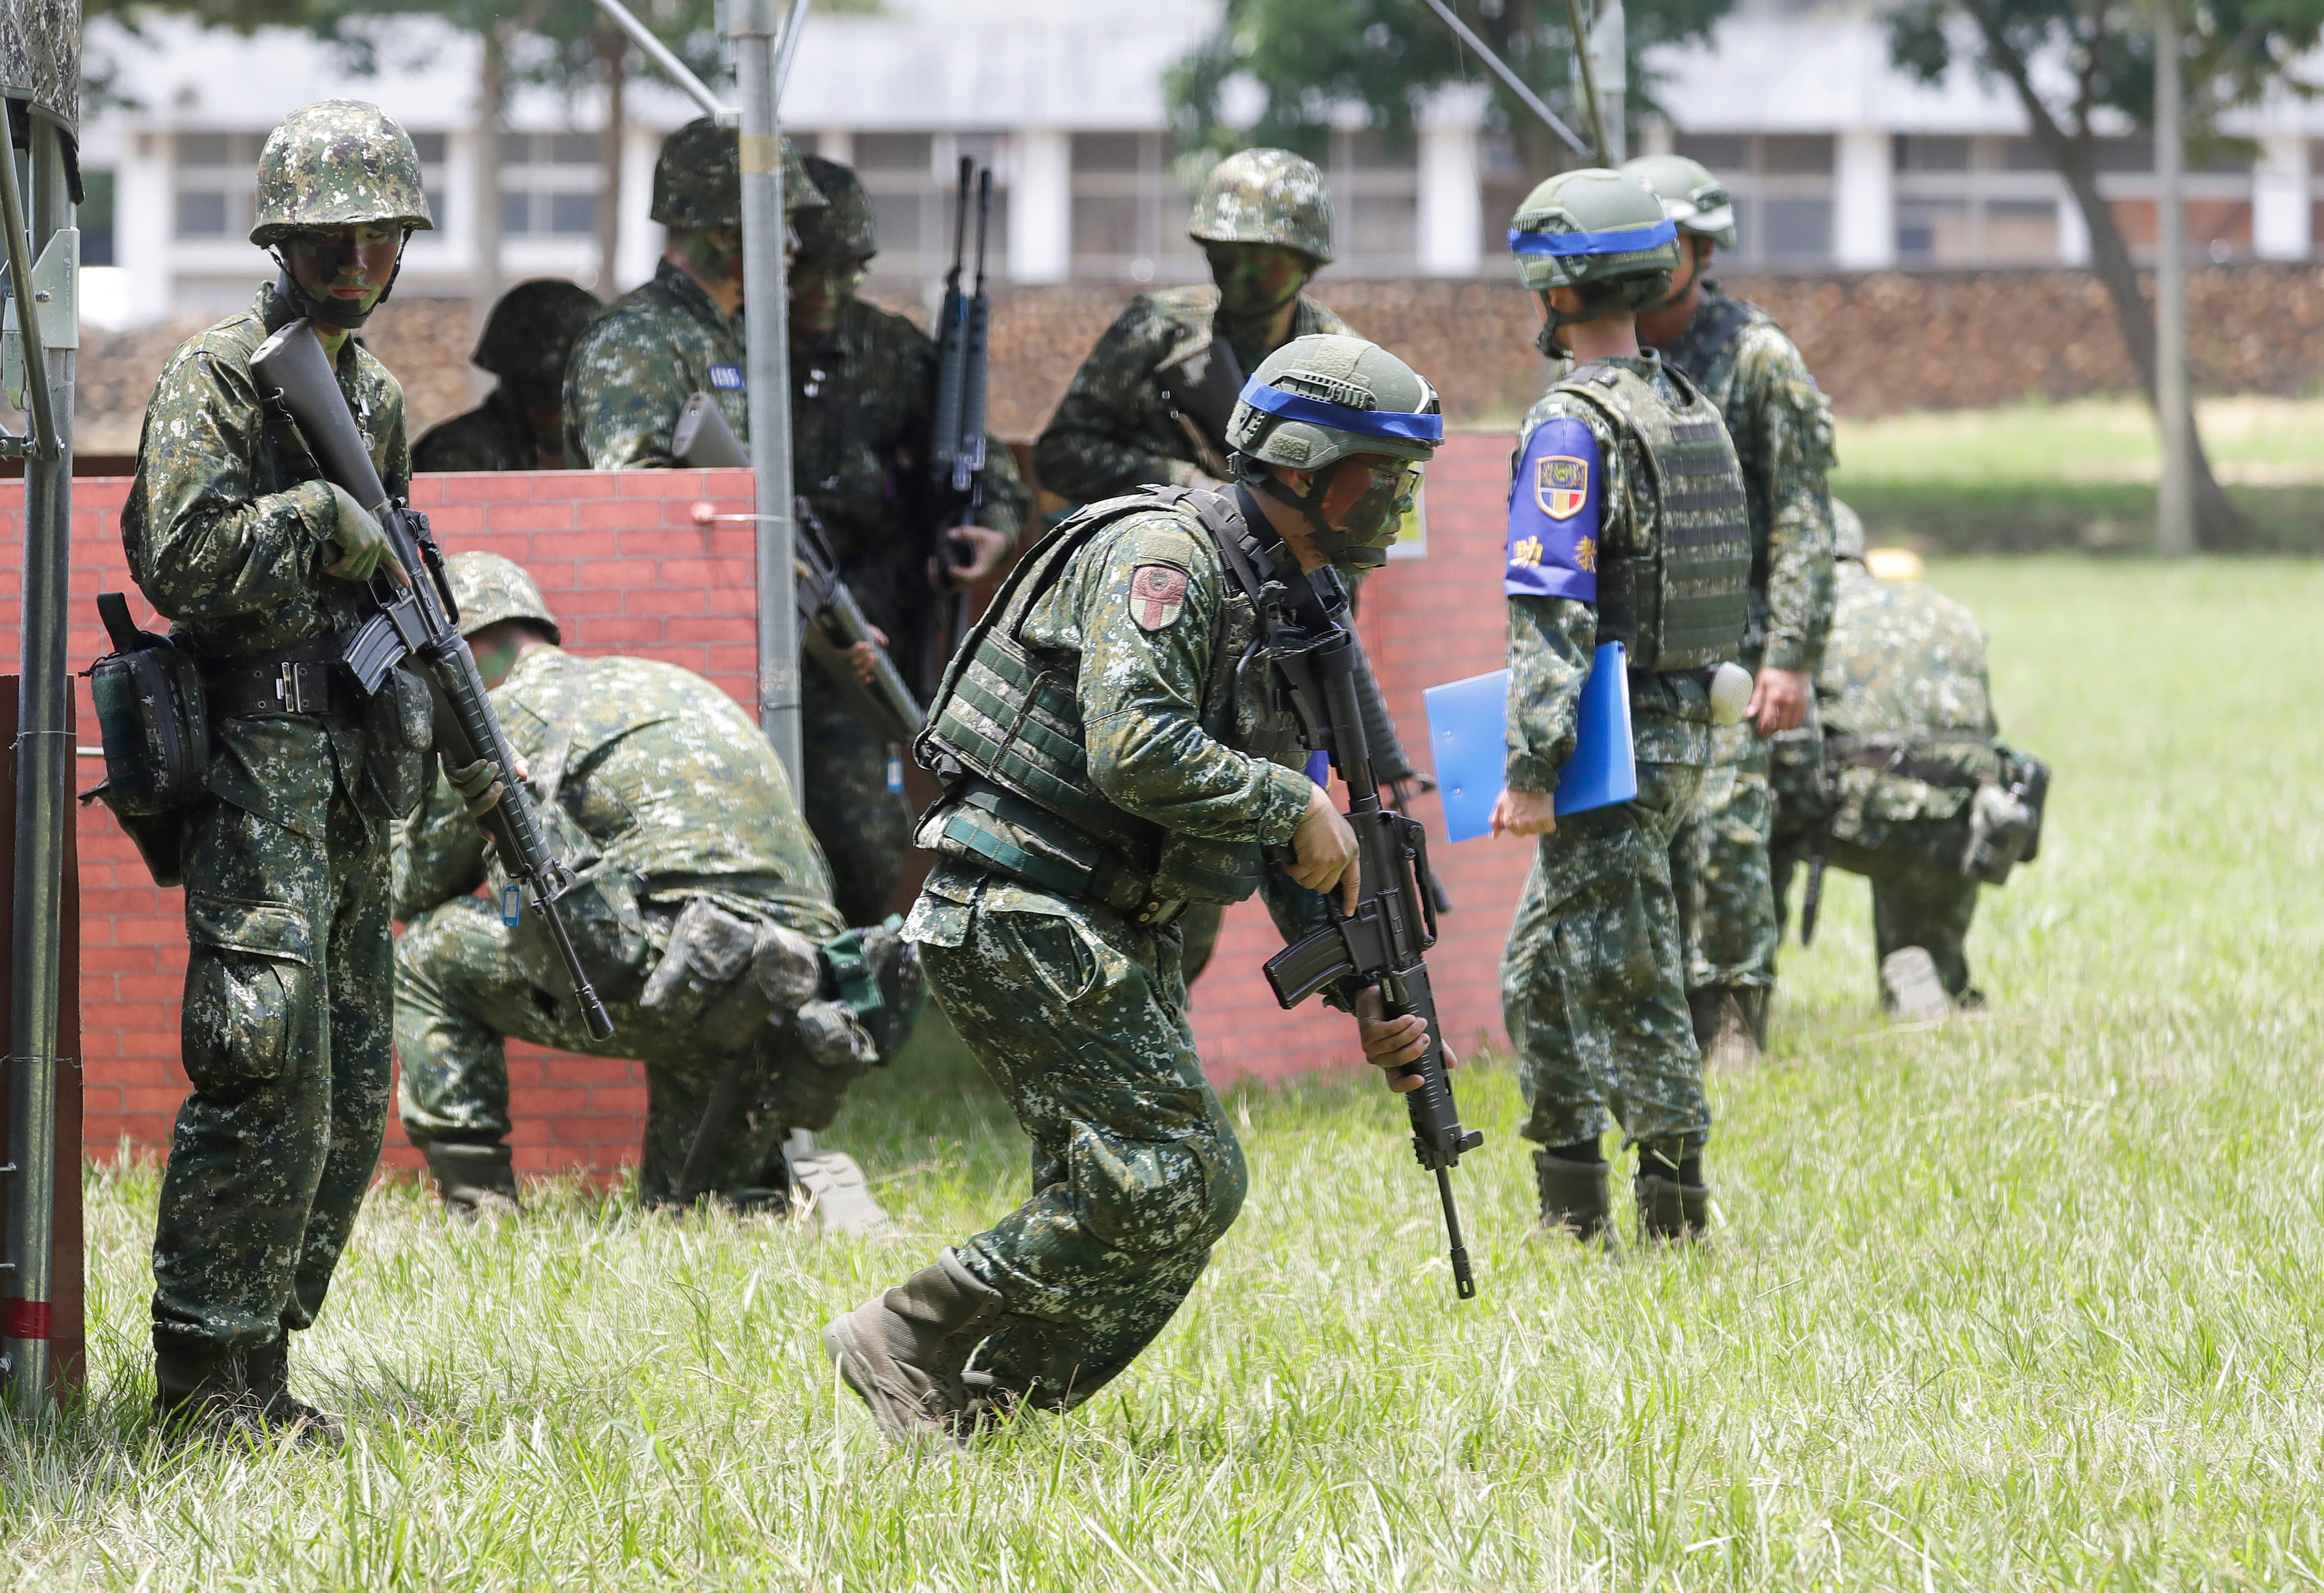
x,y
2027,1302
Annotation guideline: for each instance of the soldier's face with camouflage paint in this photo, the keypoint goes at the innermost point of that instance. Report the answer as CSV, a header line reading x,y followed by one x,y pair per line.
x,y
821,286
1256,280
714,254
349,264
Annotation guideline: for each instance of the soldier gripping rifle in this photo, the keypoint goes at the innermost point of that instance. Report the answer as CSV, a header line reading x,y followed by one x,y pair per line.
x,y
957,443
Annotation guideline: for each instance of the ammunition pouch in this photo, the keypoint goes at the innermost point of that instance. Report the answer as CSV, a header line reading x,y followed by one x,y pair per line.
x,y
153,714
2001,829
399,729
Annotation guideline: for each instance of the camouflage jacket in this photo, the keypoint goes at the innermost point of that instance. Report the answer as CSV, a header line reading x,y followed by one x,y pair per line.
x,y
1905,667
1112,432
1783,432
665,777
225,529
635,366
1552,639
493,436
861,408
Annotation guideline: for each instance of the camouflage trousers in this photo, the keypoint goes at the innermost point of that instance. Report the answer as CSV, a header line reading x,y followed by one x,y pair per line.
x,y
1920,896
864,828
1079,1018
1718,868
459,996
286,1038
1591,986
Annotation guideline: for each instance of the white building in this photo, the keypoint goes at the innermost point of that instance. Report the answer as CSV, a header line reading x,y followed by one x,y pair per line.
x,y
1836,159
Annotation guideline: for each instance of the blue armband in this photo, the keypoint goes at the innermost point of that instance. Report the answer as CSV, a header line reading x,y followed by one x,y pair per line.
x,y
1555,505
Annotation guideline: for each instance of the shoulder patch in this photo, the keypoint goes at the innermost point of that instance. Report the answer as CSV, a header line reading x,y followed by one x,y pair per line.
x,y
1157,595
1555,507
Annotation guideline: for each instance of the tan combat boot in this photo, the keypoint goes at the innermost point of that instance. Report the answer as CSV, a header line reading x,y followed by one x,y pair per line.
x,y
903,1351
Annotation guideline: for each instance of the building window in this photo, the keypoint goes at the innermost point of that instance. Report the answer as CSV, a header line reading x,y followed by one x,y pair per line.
x,y
912,179
1970,201
1782,186
96,217
218,183
549,184
1375,206
1129,210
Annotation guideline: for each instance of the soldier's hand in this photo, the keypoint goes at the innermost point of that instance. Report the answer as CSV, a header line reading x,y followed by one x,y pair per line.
x,y
1394,1042
479,786
1779,700
864,657
360,543
1324,850
1525,813
986,547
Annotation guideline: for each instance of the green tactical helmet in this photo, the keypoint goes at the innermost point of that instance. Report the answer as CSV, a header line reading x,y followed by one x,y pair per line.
x,y
488,588
1265,196
532,329
698,178
1847,532
1590,225
1692,197
1325,396
338,163
843,225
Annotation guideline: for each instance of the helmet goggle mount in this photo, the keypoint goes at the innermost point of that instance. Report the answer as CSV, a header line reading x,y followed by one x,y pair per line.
x,y
347,315
1380,507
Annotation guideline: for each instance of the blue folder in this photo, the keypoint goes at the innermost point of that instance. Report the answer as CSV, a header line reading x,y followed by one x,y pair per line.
x,y
1467,730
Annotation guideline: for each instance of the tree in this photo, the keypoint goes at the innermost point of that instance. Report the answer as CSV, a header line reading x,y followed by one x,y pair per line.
x,y
1310,59
2072,64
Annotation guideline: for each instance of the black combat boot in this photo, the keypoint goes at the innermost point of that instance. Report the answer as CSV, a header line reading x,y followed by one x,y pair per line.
x,y
1574,1202
904,1351
1730,1025
199,1391
1673,1202
473,1178
267,1371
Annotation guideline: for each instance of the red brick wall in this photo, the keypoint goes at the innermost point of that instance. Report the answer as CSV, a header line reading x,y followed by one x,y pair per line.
x,y
627,570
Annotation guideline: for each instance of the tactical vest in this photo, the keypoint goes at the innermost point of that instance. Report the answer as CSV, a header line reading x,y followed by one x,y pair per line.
x,y
1677,597
1004,736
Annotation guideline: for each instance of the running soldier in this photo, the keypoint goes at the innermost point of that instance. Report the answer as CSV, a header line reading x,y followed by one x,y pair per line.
x,y
521,424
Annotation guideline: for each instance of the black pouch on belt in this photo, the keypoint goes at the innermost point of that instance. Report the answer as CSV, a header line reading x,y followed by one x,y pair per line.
x,y
153,718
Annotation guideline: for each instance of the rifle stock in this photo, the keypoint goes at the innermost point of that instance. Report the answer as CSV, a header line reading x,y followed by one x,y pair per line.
x,y
422,622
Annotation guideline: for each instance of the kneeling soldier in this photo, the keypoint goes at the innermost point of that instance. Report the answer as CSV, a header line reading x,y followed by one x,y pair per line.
x,y
1113,743
703,916
1626,524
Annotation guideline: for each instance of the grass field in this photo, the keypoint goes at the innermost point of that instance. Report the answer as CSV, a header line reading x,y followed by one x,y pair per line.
x,y
2026,1302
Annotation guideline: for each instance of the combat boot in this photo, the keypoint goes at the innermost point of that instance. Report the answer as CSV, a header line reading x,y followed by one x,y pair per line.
x,y
1913,992
266,1371
199,1391
475,1180
903,1352
1573,1200
1728,1026
833,1185
1669,1208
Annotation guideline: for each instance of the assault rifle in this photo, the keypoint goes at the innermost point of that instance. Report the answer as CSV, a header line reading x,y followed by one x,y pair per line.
x,y
957,440
420,621
831,622
1385,940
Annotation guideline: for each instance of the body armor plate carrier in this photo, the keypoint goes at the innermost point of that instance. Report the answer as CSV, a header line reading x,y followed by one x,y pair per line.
x,y
1677,600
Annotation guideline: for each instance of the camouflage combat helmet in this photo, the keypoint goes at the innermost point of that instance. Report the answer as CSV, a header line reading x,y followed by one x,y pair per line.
x,y
1696,201
1592,226
698,178
1327,395
489,588
338,162
532,329
1265,196
841,225
1847,532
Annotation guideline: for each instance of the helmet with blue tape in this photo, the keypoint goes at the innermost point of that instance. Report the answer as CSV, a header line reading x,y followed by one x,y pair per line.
x,y
1592,226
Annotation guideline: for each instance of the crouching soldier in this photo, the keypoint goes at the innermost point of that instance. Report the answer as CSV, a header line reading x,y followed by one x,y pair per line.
x,y
703,916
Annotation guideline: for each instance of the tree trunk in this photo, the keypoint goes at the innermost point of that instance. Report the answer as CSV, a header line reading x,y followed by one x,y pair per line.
x,y
612,50
2217,521
491,107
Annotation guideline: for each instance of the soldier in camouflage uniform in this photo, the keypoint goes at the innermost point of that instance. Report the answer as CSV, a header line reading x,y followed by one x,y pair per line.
x,y
704,904
1782,428
1921,797
863,400
1264,220
1139,768
261,564
681,333
1626,487
521,424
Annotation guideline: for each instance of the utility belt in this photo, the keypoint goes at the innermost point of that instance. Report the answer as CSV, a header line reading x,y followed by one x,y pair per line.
x,y
1097,875
307,681
1901,756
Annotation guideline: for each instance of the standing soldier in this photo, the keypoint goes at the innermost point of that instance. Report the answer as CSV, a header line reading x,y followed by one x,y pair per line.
x,y
261,564
1782,430
521,424
863,391
1264,220
1626,524
681,333
1145,767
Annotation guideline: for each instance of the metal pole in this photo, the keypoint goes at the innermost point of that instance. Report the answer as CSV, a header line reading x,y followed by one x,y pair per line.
x,y
1500,69
754,26
45,753
1608,54
662,56
1589,100
2174,517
